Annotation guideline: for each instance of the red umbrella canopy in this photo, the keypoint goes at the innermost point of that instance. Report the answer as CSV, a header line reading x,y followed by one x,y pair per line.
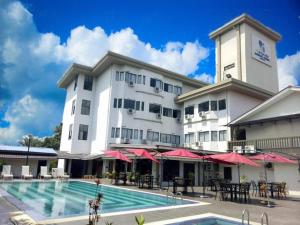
x,y
142,153
117,155
183,153
272,157
234,158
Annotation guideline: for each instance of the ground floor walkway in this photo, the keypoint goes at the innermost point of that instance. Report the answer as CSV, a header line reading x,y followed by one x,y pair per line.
x,y
285,212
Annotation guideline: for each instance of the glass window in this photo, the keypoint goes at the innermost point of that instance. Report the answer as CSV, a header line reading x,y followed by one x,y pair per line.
x,y
75,82
189,110
136,134
177,90
88,83
137,105
168,87
222,104
129,104
126,133
165,138
85,107
152,136
115,102
142,106
189,138
203,107
139,79
167,112
113,132
223,135
152,82
83,132
119,103
154,108
127,77
214,135
117,76
213,106
144,79
204,136
121,76
117,134
70,131
73,107
156,83
141,134
176,113
132,77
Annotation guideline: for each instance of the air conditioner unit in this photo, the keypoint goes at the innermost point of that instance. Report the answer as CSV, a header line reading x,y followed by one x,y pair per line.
x,y
131,84
158,116
199,144
250,149
178,120
237,149
201,113
188,116
130,111
156,89
125,141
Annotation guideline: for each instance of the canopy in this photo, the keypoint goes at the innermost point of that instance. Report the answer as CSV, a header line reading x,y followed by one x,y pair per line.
x,y
272,157
142,153
233,157
182,153
117,155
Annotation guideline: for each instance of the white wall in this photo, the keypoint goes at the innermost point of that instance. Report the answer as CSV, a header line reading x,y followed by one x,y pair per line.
x,y
16,166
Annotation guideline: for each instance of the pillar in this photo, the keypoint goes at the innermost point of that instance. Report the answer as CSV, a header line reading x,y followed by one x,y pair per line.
x,y
196,174
61,163
181,168
69,166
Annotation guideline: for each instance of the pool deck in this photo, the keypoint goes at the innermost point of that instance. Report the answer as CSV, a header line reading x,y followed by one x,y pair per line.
x,y
285,212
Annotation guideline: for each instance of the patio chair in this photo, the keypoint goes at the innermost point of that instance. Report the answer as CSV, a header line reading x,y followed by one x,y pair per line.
x,y
262,189
254,188
244,192
44,173
122,177
283,190
61,174
6,172
26,173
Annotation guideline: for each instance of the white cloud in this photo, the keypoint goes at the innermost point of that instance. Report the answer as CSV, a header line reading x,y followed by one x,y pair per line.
x,y
289,70
207,78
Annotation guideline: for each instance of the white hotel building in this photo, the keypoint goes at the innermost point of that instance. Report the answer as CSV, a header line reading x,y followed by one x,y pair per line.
x,y
122,102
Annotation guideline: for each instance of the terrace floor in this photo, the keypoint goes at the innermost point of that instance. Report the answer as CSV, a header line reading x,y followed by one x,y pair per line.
x,y
285,212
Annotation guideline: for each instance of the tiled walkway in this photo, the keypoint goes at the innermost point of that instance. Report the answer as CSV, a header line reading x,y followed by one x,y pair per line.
x,y
285,212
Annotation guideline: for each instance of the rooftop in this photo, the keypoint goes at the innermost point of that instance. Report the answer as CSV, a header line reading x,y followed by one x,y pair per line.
x,y
8,149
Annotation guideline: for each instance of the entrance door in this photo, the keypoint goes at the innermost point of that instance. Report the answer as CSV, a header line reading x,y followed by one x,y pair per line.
x,y
227,173
170,169
41,163
77,168
144,166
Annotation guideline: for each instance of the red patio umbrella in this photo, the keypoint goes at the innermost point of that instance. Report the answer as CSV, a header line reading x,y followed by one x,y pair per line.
x,y
272,157
117,155
181,153
142,153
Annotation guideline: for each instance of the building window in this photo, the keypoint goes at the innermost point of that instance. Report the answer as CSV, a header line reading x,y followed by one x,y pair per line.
x,y
223,135
117,134
214,135
177,90
117,75
176,113
143,104
152,136
129,104
139,79
88,83
156,83
115,102
189,110
141,134
126,133
119,103
136,134
203,107
85,107
75,82
168,88
213,106
73,107
130,77
83,132
175,140
113,132
70,131
204,136
189,138
222,104
165,138
137,105
154,108
144,79
167,112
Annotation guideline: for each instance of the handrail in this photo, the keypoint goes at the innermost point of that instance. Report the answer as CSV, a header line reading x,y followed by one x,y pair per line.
x,y
264,215
243,216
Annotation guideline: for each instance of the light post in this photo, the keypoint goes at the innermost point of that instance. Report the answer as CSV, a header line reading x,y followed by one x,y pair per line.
x,y
28,145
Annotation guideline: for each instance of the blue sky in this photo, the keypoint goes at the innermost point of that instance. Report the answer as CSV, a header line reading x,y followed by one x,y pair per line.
x,y
41,39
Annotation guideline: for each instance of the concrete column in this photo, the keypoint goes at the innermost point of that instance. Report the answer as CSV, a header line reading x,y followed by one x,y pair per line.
x,y
114,165
154,169
181,167
196,174
161,170
238,54
104,166
218,58
61,163
69,166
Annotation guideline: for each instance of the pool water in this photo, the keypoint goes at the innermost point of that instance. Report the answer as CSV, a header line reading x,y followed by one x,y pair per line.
x,y
207,221
65,199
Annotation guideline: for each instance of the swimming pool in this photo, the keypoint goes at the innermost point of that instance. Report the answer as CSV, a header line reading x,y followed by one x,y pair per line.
x,y
53,199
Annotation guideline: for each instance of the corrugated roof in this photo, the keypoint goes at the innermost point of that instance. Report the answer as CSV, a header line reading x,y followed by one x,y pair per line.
x,y
23,149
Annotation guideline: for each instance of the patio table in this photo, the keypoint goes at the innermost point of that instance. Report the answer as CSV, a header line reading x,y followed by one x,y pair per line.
x,y
146,179
182,182
274,187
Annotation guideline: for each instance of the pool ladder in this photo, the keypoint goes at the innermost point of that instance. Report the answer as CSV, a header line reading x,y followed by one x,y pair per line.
x,y
264,215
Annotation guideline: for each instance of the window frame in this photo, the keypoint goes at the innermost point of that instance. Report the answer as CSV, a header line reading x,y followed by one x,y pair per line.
x,y
82,132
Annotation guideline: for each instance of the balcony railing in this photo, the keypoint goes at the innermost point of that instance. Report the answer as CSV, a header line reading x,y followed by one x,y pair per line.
x,y
269,143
